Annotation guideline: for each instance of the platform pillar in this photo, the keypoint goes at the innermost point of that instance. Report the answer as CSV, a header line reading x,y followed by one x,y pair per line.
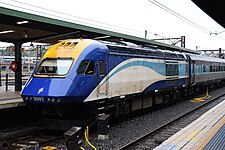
x,y
18,72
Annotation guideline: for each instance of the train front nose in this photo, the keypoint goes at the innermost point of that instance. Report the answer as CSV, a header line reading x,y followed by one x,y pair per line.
x,y
55,98
50,90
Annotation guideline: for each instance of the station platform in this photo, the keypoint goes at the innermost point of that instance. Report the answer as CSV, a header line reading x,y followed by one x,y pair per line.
x,y
207,133
10,98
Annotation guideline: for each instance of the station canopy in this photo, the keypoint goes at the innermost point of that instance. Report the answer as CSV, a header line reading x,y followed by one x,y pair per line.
x,y
17,26
214,9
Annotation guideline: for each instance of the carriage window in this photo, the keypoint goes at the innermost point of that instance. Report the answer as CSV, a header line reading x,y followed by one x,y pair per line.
x,y
217,68
204,68
211,69
86,67
214,68
220,67
59,66
101,68
172,69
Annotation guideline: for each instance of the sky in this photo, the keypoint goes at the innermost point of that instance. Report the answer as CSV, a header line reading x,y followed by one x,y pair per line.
x,y
161,18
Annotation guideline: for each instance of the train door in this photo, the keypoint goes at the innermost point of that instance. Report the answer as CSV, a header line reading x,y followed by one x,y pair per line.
x,y
102,71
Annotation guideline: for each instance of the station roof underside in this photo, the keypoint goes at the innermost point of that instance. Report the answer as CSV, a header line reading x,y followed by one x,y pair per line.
x,y
214,9
47,30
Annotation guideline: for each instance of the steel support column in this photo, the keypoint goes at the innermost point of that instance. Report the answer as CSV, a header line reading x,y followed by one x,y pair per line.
x,y
18,72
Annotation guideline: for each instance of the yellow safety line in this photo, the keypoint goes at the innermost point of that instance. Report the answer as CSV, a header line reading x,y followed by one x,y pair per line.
x,y
82,148
87,140
206,141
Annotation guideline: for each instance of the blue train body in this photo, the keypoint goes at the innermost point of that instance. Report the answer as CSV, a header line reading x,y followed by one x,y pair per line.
x,y
74,75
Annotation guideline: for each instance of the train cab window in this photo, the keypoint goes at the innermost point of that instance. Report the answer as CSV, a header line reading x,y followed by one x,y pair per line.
x,y
101,68
58,67
86,67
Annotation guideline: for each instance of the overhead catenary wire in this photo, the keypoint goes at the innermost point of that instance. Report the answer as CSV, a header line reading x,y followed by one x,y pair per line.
x,y
115,26
152,1
165,8
103,25
172,12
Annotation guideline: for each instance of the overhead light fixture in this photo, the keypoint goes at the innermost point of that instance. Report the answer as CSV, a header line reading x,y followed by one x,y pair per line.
x,y
7,31
102,37
22,22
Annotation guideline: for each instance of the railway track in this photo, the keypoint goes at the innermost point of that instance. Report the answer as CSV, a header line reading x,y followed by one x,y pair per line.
x,y
29,138
36,142
155,137
147,139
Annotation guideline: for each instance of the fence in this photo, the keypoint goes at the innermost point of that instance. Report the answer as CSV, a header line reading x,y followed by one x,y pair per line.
x,y
11,81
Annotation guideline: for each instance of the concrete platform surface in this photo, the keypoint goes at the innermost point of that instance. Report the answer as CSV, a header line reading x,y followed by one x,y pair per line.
x,y
199,133
10,98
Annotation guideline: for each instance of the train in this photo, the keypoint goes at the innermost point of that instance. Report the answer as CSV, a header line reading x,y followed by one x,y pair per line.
x,y
80,79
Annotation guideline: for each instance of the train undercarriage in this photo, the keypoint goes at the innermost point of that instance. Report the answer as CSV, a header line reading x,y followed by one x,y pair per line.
x,y
64,116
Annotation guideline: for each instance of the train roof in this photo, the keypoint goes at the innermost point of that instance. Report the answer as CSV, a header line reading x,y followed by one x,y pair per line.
x,y
206,58
128,48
